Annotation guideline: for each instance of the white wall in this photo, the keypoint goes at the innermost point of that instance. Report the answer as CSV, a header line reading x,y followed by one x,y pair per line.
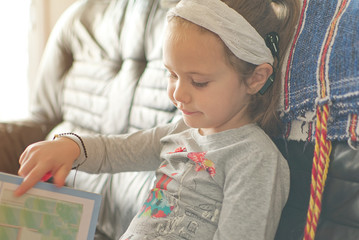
x,y
25,26
14,16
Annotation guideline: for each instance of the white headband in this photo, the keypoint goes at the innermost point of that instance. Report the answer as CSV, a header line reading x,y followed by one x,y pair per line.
x,y
238,35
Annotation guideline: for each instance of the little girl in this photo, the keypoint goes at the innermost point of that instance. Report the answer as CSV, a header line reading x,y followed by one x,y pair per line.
x,y
219,176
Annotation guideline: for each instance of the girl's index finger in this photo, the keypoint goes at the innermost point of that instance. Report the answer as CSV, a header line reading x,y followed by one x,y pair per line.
x,y
29,181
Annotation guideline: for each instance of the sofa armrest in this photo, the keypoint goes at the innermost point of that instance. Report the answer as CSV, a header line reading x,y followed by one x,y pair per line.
x,y
14,138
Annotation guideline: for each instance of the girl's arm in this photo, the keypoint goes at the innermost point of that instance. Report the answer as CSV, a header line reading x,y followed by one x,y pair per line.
x,y
139,151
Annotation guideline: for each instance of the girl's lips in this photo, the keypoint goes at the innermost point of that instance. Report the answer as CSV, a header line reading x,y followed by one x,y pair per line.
x,y
184,111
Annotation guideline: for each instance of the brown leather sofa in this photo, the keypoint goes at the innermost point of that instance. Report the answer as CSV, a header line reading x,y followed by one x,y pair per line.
x,y
102,73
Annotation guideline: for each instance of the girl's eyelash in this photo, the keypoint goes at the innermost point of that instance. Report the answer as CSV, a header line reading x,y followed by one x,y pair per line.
x,y
199,84
194,83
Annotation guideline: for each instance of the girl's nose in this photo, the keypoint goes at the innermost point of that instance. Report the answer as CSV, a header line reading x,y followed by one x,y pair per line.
x,y
182,92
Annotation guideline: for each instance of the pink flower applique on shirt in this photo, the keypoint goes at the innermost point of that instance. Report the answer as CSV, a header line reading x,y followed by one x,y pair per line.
x,y
179,149
202,163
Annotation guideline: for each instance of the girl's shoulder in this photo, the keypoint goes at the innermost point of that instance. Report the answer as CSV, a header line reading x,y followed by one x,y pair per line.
x,y
250,144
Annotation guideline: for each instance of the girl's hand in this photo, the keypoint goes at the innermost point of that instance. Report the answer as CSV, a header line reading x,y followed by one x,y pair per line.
x,y
55,157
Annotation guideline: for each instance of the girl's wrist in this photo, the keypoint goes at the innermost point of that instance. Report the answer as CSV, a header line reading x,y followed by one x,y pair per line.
x,y
75,145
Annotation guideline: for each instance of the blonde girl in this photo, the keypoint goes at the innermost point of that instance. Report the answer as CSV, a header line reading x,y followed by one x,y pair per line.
x,y
218,174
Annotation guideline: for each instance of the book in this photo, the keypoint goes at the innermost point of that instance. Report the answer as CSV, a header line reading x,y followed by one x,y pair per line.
x,y
46,212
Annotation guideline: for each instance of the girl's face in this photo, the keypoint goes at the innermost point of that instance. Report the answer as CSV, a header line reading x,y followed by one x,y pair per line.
x,y
202,84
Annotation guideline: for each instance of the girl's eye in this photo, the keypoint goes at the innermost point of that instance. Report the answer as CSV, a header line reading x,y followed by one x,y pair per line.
x,y
199,84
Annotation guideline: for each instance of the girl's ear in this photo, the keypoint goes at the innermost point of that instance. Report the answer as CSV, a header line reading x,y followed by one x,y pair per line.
x,y
259,77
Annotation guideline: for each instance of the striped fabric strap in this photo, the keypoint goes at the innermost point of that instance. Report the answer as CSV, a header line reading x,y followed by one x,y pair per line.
x,y
319,172
323,146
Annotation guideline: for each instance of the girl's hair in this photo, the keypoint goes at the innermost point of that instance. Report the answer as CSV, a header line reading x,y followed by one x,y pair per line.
x,y
265,16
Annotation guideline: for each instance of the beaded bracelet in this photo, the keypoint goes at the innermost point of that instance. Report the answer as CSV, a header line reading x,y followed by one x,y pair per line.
x,y
73,134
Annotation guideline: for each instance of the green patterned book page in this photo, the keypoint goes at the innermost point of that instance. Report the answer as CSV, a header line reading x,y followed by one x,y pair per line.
x,y
46,212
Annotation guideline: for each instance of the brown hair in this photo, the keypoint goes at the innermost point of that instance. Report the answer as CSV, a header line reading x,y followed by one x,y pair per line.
x,y
266,16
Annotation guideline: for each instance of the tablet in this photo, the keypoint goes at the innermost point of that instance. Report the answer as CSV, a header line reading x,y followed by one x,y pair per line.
x,y
46,212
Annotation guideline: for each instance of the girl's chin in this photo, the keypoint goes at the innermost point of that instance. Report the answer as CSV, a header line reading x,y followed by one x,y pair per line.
x,y
190,122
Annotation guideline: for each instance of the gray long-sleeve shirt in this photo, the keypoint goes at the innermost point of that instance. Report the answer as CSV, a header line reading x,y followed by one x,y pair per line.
x,y
229,185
